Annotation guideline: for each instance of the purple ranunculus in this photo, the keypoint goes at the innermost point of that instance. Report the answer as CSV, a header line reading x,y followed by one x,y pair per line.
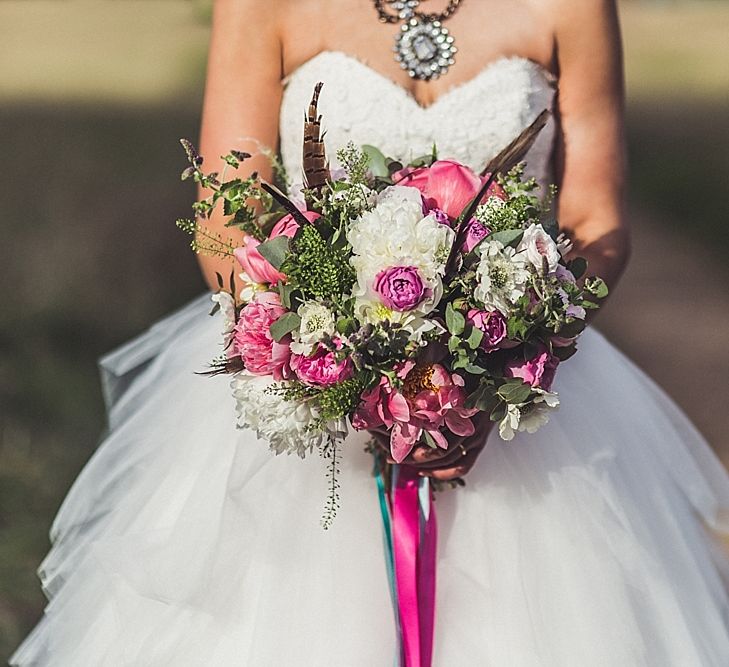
x,y
475,233
493,325
538,371
400,287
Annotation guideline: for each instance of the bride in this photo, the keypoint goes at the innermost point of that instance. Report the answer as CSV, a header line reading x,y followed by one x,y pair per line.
x,y
185,543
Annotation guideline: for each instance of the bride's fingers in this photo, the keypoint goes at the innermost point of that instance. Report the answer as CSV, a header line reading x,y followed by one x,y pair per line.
x,y
465,464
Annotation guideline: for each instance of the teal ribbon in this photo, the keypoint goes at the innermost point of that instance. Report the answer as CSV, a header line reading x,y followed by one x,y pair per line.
x,y
389,553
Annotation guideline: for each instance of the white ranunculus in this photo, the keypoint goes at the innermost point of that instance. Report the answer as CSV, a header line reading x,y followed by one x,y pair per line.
x,y
502,276
537,245
286,425
316,322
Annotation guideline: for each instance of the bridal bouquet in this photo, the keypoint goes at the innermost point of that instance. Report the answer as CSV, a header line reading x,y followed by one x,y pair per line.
x,y
404,297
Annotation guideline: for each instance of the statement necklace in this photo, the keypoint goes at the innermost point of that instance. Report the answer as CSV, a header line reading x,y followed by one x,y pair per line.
x,y
423,47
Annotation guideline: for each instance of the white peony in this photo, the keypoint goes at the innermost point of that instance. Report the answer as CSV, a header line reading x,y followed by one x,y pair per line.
x,y
529,417
502,276
538,246
285,424
316,322
396,233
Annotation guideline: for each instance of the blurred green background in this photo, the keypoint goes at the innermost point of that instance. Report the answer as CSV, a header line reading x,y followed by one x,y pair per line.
x,y
89,123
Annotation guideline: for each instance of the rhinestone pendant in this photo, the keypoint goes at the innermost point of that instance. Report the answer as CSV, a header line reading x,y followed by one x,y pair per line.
x,y
424,48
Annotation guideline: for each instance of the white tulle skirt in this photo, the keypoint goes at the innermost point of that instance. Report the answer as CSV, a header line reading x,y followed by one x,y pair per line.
x,y
184,542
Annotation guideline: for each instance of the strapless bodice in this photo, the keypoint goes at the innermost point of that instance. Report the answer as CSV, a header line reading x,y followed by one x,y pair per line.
x,y
471,122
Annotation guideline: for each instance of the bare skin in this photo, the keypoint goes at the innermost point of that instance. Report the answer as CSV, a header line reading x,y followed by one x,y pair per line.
x,y
255,45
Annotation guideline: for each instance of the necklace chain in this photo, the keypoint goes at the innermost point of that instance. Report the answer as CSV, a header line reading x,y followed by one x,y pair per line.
x,y
409,6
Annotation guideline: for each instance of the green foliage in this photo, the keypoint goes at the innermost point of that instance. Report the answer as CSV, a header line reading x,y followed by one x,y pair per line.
x,y
284,325
205,241
319,270
341,399
355,162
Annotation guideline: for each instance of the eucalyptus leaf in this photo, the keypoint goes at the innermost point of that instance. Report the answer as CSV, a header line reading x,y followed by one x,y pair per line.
x,y
284,325
475,338
455,321
377,161
275,250
515,392
509,237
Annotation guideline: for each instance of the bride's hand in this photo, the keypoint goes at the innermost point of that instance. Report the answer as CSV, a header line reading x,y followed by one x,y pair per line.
x,y
443,464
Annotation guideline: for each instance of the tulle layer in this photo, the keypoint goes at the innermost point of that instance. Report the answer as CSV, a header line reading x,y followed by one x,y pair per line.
x,y
185,543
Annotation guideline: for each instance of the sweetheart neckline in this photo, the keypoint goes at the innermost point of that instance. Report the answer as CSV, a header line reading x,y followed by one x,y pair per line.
x,y
488,68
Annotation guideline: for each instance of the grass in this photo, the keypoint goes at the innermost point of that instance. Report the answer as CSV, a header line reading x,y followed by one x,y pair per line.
x,y
90,254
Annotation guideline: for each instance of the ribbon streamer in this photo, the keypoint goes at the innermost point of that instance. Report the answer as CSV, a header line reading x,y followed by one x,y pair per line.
x,y
410,538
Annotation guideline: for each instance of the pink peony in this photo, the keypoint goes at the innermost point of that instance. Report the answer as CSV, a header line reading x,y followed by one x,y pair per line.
x,y
431,399
447,185
321,369
493,325
252,338
259,270
538,371
400,287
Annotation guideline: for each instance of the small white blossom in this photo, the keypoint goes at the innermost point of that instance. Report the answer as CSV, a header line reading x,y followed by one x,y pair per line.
x,y
485,212
502,276
316,322
249,288
538,246
529,417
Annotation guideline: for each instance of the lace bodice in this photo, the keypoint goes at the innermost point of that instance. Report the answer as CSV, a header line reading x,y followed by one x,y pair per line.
x,y
470,123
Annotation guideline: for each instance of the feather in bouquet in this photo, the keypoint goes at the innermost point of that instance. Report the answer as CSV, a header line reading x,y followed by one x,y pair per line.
x,y
404,297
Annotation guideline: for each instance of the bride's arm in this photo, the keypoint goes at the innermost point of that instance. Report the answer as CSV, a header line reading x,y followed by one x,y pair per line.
x,y
591,153
242,97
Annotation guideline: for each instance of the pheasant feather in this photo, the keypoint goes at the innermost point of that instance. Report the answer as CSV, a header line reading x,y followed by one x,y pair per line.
x,y
316,170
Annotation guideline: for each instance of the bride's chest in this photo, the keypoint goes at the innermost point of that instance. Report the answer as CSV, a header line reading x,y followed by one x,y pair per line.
x,y
469,123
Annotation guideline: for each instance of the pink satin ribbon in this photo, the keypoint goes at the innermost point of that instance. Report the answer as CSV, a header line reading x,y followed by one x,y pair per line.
x,y
414,534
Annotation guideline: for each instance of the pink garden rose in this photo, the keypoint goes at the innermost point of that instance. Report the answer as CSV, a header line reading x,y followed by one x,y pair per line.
x,y
252,339
400,287
321,369
259,270
538,371
447,185
493,325
431,400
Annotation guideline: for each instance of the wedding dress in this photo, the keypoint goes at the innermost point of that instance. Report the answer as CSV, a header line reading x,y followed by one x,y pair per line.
x,y
184,542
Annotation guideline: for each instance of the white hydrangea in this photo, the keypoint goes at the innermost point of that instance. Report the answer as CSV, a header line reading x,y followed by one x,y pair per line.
x,y
396,233
538,246
286,425
227,313
502,276
316,322
529,417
